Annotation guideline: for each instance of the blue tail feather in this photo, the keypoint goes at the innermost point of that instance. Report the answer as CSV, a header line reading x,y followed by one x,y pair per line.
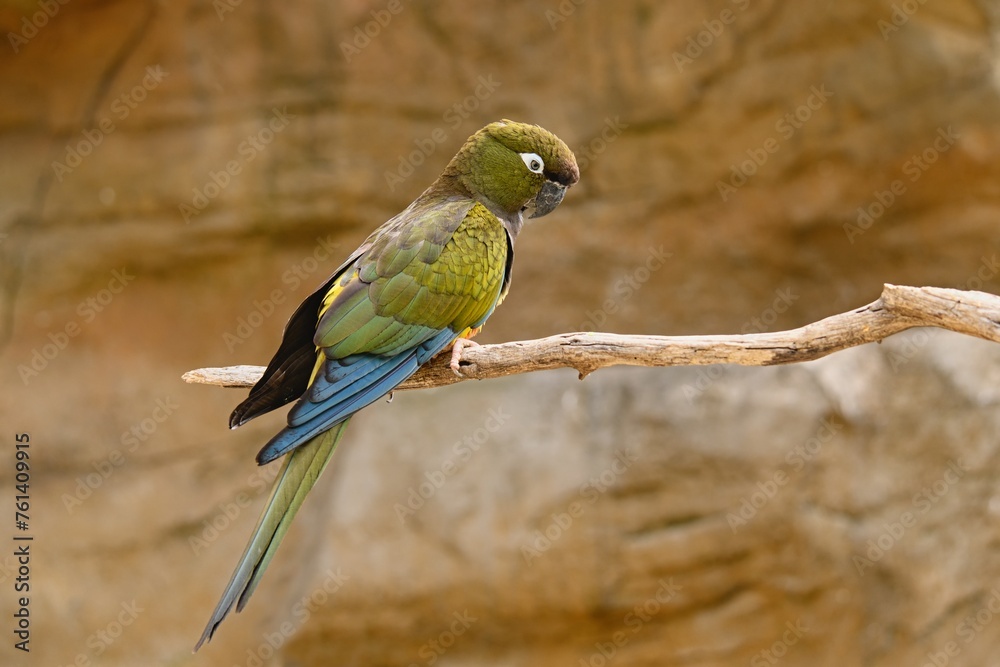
x,y
342,396
358,384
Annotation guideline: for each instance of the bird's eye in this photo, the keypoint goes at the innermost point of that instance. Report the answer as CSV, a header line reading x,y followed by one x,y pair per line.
x,y
533,162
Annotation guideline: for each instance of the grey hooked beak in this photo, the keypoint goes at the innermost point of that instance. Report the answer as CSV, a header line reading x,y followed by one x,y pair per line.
x,y
546,200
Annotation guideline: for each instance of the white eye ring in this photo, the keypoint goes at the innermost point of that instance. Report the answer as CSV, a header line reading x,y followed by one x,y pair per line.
x,y
533,161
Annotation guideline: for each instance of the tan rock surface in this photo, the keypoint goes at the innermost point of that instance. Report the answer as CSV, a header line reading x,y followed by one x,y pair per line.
x,y
142,499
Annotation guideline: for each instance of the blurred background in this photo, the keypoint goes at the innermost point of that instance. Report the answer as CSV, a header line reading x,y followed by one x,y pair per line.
x,y
176,177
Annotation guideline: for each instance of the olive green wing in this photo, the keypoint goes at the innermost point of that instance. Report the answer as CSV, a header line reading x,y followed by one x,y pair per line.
x,y
428,276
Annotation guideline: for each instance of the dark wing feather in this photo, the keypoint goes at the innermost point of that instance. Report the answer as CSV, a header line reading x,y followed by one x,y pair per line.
x,y
287,375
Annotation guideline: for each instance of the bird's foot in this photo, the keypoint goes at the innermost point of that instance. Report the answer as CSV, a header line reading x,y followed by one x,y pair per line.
x,y
456,354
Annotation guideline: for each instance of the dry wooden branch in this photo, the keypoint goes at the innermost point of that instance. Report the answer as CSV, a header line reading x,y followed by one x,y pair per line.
x,y
899,308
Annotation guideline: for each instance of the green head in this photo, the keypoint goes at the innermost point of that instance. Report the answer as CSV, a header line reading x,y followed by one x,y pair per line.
x,y
516,167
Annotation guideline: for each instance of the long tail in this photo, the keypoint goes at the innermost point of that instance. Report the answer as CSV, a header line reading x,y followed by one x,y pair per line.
x,y
301,469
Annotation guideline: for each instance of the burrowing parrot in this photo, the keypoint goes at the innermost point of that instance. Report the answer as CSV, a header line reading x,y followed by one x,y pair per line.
x,y
424,281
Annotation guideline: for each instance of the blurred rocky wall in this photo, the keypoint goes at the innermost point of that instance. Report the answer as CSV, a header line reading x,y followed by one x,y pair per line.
x,y
176,177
